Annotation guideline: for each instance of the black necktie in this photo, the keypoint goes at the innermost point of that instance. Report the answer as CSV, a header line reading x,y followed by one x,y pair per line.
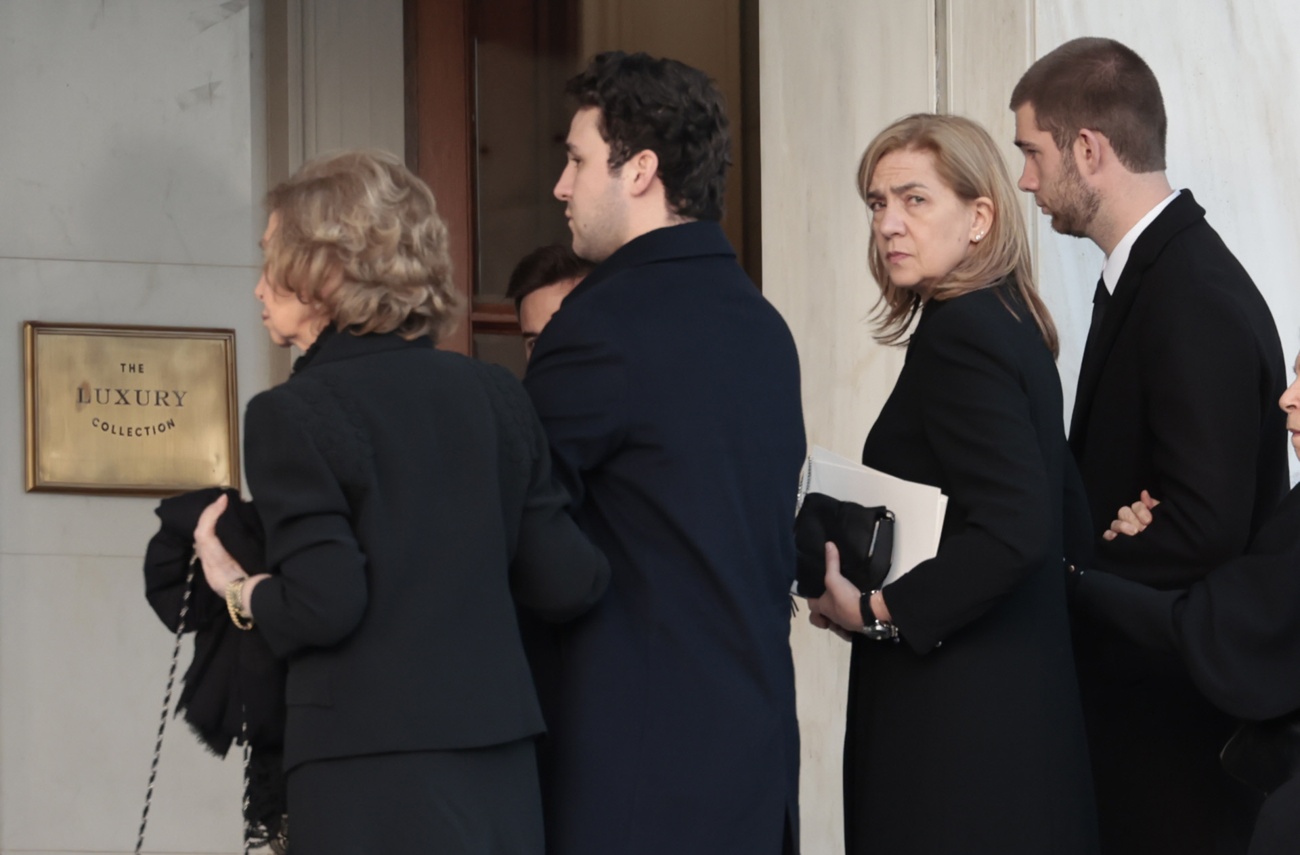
x,y
1100,298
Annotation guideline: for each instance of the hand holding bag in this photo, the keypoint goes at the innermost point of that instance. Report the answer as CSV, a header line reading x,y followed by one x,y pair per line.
x,y
864,537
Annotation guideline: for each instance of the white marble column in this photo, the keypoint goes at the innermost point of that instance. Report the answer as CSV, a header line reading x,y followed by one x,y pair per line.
x,y
831,76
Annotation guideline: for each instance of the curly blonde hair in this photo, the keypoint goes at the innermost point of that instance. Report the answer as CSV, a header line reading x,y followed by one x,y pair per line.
x,y
969,162
359,236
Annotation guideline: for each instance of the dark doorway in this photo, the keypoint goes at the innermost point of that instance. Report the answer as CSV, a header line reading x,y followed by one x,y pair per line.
x,y
487,119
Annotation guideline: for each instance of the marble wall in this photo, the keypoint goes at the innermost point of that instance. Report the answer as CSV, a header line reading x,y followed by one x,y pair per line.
x,y
133,159
130,196
827,83
354,94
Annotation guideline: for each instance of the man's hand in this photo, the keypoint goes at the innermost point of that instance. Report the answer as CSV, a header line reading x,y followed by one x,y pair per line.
x,y
840,608
819,620
1133,519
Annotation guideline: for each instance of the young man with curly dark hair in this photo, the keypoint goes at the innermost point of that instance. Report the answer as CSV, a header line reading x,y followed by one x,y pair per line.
x,y
669,390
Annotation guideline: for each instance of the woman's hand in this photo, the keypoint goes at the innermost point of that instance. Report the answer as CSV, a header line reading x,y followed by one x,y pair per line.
x,y
840,608
1133,519
219,568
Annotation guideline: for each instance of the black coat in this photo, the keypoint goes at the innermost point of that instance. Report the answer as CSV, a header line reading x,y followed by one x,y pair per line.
x,y
967,736
669,389
406,493
1236,631
1177,395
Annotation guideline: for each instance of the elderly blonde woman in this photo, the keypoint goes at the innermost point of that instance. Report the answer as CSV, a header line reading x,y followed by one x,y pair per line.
x,y
964,730
408,505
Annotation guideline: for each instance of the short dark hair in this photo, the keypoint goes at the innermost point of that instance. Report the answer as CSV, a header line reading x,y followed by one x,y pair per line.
x,y
1104,86
669,108
544,266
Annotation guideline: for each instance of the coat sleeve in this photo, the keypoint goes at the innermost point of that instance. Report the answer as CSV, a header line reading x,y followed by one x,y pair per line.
x,y
1205,400
979,425
1237,630
578,381
555,570
318,593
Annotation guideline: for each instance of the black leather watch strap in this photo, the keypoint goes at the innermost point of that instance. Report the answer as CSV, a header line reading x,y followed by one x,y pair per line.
x,y
873,627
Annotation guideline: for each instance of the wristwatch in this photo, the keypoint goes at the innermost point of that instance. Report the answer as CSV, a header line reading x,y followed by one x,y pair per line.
x,y
876,629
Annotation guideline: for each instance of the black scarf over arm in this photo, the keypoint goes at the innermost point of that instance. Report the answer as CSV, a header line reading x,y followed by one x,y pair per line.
x,y
233,677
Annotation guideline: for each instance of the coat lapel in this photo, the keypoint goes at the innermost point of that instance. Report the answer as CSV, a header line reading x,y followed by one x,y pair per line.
x,y
1181,213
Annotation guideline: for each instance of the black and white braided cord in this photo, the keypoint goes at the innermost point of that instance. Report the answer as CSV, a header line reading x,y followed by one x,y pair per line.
x,y
167,702
248,823
162,726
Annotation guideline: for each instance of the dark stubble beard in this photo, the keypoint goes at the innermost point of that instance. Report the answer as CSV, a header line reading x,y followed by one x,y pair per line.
x,y
1078,203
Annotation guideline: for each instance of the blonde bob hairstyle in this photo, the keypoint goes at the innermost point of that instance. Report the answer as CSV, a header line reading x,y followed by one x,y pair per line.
x,y
359,236
969,163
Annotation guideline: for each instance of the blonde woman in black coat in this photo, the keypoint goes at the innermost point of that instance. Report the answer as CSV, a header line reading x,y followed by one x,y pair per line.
x,y
964,729
408,505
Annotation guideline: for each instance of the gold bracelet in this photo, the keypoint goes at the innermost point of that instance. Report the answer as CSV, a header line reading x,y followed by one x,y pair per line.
x,y
234,603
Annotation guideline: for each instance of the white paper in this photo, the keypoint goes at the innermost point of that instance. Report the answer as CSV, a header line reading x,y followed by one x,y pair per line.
x,y
918,508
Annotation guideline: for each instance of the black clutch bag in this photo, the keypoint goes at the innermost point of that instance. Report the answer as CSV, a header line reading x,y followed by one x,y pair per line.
x,y
864,537
1264,755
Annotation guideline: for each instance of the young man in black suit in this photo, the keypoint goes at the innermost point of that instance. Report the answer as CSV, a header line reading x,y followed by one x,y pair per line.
x,y
669,390
1180,373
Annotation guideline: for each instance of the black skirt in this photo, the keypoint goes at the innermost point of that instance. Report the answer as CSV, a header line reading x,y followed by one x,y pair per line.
x,y
482,801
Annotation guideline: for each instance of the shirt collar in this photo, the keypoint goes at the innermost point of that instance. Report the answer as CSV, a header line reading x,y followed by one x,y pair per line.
x,y
1118,257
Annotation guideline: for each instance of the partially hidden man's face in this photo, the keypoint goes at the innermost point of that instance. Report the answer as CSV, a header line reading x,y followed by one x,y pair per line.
x,y
1053,177
595,203
537,308
1290,404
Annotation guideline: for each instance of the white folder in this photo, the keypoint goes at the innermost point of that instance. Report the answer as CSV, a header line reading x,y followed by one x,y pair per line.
x,y
918,508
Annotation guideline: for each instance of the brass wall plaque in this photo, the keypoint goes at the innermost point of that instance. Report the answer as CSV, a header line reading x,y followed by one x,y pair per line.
x,y
130,410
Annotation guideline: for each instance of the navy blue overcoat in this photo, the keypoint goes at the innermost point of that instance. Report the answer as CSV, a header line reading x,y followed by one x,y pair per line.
x,y
669,390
